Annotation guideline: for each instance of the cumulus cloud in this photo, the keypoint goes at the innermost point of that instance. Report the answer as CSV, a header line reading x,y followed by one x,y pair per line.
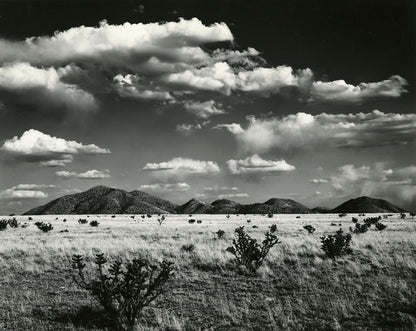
x,y
34,186
254,164
89,174
163,187
340,91
134,87
35,146
304,130
220,189
43,87
204,109
318,181
183,166
233,195
187,129
16,193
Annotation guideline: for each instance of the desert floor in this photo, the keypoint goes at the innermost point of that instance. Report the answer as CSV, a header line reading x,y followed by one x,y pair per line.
x,y
297,288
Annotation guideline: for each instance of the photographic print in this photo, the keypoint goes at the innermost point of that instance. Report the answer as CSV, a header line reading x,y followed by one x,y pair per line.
x,y
183,165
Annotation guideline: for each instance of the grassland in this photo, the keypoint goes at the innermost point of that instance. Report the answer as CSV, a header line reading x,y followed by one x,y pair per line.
x,y
297,288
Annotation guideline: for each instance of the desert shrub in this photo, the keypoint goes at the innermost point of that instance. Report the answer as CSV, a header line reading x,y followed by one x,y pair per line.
x,y
333,224
113,216
360,228
273,228
380,226
45,227
220,234
255,227
24,225
94,223
188,248
3,225
191,221
297,216
198,221
248,252
143,216
309,228
248,221
372,220
161,219
124,289
149,215
64,220
342,214
228,216
13,223
413,213
132,217
82,221
270,215
402,216
335,245
354,220
30,219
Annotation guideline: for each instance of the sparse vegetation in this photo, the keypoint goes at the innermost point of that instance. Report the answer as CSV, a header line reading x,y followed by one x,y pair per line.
x,y
360,228
94,223
3,225
309,228
191,221
160,220
126,288
220,234
248,252
380,226
336,245
188,248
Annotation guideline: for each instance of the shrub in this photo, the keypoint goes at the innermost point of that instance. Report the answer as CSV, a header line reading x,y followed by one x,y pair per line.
x,y
45,227
3,225
113,216
188,248
248,221
126,288
149,215
161,219
270,215
309,228
402,216
360,228
372,220
191,221
220,234
94,223
30,219
413,213
335,245
354,220
273,228
13,223
198,221
248,252
380,226
342,214
82,221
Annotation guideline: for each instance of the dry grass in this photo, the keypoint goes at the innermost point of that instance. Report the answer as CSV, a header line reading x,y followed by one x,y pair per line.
x,y
296,289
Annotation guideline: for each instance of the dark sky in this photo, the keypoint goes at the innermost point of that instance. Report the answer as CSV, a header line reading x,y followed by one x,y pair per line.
x,y
322,108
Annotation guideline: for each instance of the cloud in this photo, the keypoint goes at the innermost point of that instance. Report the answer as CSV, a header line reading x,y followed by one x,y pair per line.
x,y
16,193
180,166
204,109
306,131
34,146
55,163
134,87
318,181
43,87
394,185
90,174
233,195
126,45
254,164
220,189
34,186
162,187
187,129
340,91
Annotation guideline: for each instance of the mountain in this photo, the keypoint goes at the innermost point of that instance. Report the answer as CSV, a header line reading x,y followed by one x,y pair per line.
x,y
105,200
320,210
277,206
367,205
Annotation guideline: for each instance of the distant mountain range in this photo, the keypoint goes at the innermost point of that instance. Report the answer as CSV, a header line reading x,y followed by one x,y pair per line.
x,y
106,200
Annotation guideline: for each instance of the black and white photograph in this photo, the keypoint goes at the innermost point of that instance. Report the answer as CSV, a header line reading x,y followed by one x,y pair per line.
x,y
207,165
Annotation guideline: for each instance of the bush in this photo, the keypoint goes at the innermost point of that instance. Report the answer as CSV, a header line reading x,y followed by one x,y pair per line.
x,y
161,219
273,228
191,221
372,220
82,221
45,227
337,244
270,215
13,223
413,213
3,225
354,220
198,221
248,252
380,226
309,228
220,234
402,216
360,228
126,288
188,248
342,214
94,223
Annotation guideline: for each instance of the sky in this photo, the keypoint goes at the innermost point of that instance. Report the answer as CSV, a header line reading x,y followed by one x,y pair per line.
x,y
223,99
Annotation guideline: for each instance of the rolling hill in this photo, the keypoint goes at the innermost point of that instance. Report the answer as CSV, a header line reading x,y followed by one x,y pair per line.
x,y
106,200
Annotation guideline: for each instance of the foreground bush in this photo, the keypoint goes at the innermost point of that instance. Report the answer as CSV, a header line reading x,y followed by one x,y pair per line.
x,y
360,228
338,244
248,252
309,228
125,289
3,224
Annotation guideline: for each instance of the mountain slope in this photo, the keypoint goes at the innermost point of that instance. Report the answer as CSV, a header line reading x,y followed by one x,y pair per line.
x,y
367,205
277,206
194,206
105,200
